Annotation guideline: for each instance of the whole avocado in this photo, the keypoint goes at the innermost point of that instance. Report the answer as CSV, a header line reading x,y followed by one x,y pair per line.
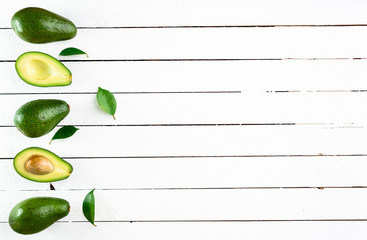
x,y
37,118
36,214
37,25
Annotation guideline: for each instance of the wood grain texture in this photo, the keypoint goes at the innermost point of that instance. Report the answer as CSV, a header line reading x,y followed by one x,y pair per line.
x,y
195,141
197,231
111,13
197,43
328,110
208,205
200,173
246,76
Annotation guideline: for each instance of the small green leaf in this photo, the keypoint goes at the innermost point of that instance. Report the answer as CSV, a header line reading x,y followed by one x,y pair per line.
x,y
89,207
64,132
107,101
72,51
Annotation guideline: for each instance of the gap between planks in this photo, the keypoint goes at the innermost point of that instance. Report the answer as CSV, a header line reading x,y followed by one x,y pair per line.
x,y
220,26
118,93
192,92
320,125
214,221
193,188
203,59
209,156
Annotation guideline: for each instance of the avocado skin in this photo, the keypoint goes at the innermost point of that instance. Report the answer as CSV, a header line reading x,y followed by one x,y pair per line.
x,y
36,214
37,25
37,118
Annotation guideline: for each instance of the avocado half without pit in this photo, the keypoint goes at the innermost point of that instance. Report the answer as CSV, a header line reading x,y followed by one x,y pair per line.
x,y
42,70
41,165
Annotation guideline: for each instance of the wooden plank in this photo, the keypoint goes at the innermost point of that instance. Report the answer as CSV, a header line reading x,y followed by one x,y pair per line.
x,y
85,13
196,231
246,76
164,205
198,43
181,173
326,109
195,141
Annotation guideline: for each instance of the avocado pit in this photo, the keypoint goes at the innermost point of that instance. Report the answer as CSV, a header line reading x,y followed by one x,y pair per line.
x,y
38,165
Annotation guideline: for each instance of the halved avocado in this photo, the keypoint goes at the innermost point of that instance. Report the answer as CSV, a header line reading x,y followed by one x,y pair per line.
x,y
40,165
42,70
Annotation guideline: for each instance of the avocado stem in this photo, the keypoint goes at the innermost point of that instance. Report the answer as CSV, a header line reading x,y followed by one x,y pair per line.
x,y
113,117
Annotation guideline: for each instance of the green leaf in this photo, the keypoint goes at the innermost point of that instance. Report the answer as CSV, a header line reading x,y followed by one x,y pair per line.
x,y
107,101
72,51
89,207
64,132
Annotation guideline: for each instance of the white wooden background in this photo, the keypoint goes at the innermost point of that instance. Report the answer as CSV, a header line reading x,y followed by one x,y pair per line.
x,y
236,119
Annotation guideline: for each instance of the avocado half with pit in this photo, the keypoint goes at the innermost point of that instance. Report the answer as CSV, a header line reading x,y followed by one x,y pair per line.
x,y
42,70
40,165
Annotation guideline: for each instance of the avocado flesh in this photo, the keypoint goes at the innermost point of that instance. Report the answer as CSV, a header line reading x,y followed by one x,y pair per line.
x,y
42,70
37,25
37,118
36,214
40,165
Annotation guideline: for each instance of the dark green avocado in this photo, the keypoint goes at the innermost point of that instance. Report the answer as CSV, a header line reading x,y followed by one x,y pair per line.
x,y
36,214
37,118
37,25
